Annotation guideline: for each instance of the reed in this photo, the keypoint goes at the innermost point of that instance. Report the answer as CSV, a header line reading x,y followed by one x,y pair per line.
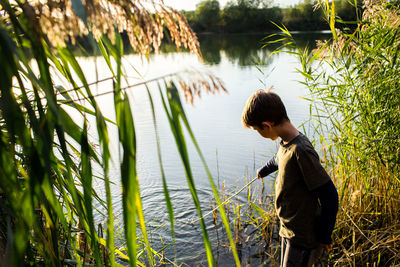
x,y
47,159
354,105
255,226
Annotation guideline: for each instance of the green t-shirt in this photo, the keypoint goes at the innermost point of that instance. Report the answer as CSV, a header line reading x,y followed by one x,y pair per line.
x,y
300,172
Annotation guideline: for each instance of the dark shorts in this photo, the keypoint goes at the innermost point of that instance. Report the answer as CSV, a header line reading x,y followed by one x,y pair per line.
x,y
297,256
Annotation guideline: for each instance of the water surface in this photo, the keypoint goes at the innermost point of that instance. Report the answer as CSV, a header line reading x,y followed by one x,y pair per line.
x,y
233,153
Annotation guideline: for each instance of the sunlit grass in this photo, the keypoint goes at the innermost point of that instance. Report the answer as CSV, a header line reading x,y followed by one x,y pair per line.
x,y
353,84
47,159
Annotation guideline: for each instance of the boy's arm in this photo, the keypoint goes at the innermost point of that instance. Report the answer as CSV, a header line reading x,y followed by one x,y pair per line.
x,y
268,168
329,200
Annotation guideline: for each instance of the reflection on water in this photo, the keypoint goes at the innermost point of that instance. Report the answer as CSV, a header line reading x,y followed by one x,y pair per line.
x,y
232,152
244,49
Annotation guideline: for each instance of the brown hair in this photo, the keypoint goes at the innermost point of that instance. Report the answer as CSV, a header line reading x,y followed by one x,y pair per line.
x,y
263,106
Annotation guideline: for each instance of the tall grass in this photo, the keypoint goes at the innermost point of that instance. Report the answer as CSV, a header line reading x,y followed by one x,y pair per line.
x,y
354,88
47,159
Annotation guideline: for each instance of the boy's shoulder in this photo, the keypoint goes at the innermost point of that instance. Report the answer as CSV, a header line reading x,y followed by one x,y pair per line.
x,y
299,144
299,148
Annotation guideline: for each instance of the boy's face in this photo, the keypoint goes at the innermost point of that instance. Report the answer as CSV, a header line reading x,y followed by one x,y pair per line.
x,y
267,131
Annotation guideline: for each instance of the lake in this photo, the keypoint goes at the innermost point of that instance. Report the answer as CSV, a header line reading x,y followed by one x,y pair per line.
x,y
233,153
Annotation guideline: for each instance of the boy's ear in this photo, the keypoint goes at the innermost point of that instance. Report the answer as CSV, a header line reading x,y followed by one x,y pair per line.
x,y
267,124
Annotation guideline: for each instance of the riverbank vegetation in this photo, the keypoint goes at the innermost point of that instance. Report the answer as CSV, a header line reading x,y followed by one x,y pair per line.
x,y
49,157
354,98
357,102
49,161
354,104
247,16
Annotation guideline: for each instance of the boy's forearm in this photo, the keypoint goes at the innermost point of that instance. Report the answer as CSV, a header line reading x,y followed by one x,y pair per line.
x,y
269,167
329,200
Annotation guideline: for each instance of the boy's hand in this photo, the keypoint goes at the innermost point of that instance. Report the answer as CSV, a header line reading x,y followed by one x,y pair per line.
x,y
258,175
326,247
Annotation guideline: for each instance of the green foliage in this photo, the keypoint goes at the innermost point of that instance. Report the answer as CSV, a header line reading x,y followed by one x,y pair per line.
x,y
355,86
208,15
244,16
303,17
47,159
353,82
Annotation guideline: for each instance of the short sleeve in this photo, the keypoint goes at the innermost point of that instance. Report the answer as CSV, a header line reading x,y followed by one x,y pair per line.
x,y
314,174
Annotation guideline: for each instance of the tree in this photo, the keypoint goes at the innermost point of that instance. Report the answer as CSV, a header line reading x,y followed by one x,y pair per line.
x,y
254,3
303,17
208,15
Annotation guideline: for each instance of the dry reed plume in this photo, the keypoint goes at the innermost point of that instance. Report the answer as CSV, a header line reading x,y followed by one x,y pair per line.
x,y
143,21
193,82
60,20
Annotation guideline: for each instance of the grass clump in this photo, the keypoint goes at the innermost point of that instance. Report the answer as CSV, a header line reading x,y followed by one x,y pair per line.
x,y
354,87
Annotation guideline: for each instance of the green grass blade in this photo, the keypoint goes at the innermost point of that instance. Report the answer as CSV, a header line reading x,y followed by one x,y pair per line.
x,y
173,97
131,199
67,56
176,128
164,181
128,175
106,56
332,20
86,176
73,130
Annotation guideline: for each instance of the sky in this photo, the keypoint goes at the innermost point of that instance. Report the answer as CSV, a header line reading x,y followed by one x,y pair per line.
x,y
191,4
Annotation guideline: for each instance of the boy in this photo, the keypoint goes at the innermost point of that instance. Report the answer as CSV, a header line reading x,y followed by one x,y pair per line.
x,y
306,199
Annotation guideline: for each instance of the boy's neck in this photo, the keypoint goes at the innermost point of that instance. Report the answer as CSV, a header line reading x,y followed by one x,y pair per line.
x,y
287,132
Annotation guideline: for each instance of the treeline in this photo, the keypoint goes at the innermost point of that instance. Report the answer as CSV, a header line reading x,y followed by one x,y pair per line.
x,y
239,16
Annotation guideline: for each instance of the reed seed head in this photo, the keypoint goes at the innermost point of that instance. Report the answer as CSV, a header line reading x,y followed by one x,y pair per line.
x,y
143,21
